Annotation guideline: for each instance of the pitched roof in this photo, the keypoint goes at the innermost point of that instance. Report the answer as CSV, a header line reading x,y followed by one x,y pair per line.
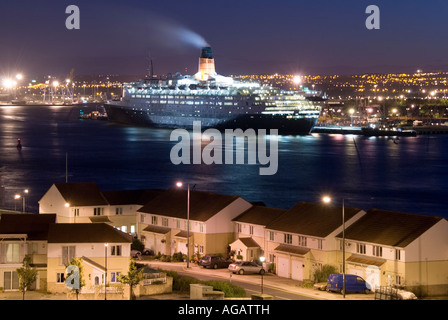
x,y
173,203
397,229
259,215
139,196
294,250
86,233
249,242
157,229
81,193
312,219
34,225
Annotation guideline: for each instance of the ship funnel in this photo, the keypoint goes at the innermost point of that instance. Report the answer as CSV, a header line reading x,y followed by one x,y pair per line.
x,y
206,64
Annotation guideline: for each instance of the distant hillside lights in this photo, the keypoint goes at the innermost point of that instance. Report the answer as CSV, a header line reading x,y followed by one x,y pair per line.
x,y
211,153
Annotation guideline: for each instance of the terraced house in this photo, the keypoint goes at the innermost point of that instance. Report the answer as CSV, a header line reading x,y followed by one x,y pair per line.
x,y
164,221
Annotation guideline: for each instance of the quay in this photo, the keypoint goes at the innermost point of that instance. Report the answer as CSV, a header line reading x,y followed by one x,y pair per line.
x,y
379,132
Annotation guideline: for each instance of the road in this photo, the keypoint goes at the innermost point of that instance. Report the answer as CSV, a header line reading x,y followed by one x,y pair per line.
x,y
251,283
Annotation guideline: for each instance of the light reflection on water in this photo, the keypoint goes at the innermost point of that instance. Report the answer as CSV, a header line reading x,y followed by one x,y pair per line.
x,y
408,174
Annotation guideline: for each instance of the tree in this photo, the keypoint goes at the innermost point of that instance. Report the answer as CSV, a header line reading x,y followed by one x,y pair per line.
x,y
77,262
27,275
132,279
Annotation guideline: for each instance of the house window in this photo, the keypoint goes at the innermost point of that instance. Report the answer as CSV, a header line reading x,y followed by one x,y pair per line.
x,y
201,249
319,244
302,241
201,227
32,248
251,229
114,276
154,220
398,280
287,238
10,280
98,211
361,248
13,252
76,212
378,251
397,254
165,222
118,211
271,258
124,228
68,253
132,228
238,227
178,224
60,277
271,235
142,218
115,251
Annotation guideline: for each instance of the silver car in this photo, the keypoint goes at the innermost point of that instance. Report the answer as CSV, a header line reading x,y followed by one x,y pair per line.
x,y
245,267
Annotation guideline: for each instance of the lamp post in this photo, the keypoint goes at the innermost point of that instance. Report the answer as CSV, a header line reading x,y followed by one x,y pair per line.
x,y
179,185
25,192
105,274
16,197
262,259
327,199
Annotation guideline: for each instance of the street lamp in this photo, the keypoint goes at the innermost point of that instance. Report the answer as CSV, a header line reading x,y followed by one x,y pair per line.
x,y
327,199
105,268
262,259
179,185
24,200
16,197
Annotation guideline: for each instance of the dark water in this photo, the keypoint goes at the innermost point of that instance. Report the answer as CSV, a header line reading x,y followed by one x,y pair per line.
x,y
409,174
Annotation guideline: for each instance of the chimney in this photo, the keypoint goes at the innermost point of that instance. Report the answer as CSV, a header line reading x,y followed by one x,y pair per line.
x,y
206,64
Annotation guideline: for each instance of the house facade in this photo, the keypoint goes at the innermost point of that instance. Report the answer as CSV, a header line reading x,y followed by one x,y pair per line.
x,y
23,235
164,223
84,202
400,249
104,250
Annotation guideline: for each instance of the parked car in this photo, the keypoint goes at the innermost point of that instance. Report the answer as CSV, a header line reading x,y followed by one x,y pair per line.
x,y
214,261
136,254
353,283
244,267
148,252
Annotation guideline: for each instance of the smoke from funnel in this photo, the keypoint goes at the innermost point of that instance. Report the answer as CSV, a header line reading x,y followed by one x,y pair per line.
x,y
172,33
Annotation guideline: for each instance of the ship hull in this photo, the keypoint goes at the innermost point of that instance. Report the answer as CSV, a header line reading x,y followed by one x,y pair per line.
x,y
284,125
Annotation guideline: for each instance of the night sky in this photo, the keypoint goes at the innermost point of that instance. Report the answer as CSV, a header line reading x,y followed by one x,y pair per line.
x,y
247,36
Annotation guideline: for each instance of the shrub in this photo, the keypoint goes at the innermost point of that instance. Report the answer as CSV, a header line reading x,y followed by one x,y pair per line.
x,y
322,275
182,285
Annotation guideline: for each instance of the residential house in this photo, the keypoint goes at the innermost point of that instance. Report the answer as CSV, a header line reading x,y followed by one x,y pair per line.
x,y
303,238
84,202
250,231
22,235
105,252
401,249
164,221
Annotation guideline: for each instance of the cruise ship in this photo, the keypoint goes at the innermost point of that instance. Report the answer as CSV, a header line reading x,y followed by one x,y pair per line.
x,y
217,101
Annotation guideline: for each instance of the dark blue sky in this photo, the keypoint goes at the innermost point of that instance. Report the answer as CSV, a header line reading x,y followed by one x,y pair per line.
x,y
247,36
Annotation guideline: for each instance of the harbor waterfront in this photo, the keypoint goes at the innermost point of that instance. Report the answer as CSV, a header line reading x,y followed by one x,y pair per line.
x,y
402,174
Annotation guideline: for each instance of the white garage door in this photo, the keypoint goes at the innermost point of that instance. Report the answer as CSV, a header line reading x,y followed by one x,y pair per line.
x,y
283,267
297,270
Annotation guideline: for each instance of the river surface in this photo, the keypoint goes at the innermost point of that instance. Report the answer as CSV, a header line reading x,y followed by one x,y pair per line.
x,y
409,174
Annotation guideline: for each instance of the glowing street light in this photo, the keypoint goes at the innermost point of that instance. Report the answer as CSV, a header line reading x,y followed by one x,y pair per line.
x,y
297,79
19,76
327,199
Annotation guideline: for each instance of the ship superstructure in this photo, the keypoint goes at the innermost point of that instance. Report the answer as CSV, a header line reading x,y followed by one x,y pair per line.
x,y
217,101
